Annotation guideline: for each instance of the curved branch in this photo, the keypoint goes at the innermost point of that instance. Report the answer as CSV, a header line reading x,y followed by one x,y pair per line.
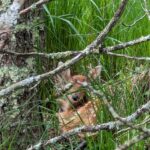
x,y
131,142
129,57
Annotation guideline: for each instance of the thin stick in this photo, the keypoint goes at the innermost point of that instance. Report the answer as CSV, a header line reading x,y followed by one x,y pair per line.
x,y
129,57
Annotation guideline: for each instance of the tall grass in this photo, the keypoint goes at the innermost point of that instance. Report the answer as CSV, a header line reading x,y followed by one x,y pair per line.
x,y
72,25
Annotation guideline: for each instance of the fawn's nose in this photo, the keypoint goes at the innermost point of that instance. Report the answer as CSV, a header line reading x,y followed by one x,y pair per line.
x,y
75,97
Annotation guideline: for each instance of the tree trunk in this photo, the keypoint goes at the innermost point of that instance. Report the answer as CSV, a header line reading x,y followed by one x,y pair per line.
x,y
19,113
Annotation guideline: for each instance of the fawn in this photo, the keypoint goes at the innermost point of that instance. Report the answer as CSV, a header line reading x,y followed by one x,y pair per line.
x,y
77,109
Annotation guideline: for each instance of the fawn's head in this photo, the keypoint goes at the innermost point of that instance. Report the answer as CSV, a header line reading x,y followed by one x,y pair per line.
x,y
76,96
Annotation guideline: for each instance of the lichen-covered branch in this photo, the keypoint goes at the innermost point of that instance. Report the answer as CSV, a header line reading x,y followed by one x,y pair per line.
x,y
106,50
87,51
127,44
57,55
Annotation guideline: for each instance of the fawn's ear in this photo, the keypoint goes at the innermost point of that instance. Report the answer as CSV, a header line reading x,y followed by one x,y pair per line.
x,y
65,75
95,72
62,78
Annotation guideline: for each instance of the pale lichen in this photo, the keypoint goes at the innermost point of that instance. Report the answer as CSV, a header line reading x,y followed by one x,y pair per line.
x,y
12,74
9,18
4,4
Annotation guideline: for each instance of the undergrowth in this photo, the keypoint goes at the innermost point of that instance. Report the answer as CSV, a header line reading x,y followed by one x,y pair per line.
x,y
72,25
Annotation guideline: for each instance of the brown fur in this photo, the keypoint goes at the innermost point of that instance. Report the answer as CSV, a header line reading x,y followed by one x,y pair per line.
x,y
85,115
81,111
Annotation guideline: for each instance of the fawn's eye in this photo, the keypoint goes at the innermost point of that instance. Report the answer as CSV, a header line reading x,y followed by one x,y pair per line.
x,y
61,110
75,97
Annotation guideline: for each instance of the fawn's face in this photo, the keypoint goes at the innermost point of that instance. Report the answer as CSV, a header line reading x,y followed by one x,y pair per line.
x,y
76,96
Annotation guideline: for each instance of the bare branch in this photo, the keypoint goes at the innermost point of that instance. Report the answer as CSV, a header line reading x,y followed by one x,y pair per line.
x,y
137,125
129,57
89,49
109,26
60,91
127,44
135,21
133,141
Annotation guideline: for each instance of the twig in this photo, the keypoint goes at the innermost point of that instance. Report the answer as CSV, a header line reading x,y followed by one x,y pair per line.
x,y
129,57
109,126
87,51
126,44
33,6
146,9
139,19
129,128
35,86
131,142
81,145
57,55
